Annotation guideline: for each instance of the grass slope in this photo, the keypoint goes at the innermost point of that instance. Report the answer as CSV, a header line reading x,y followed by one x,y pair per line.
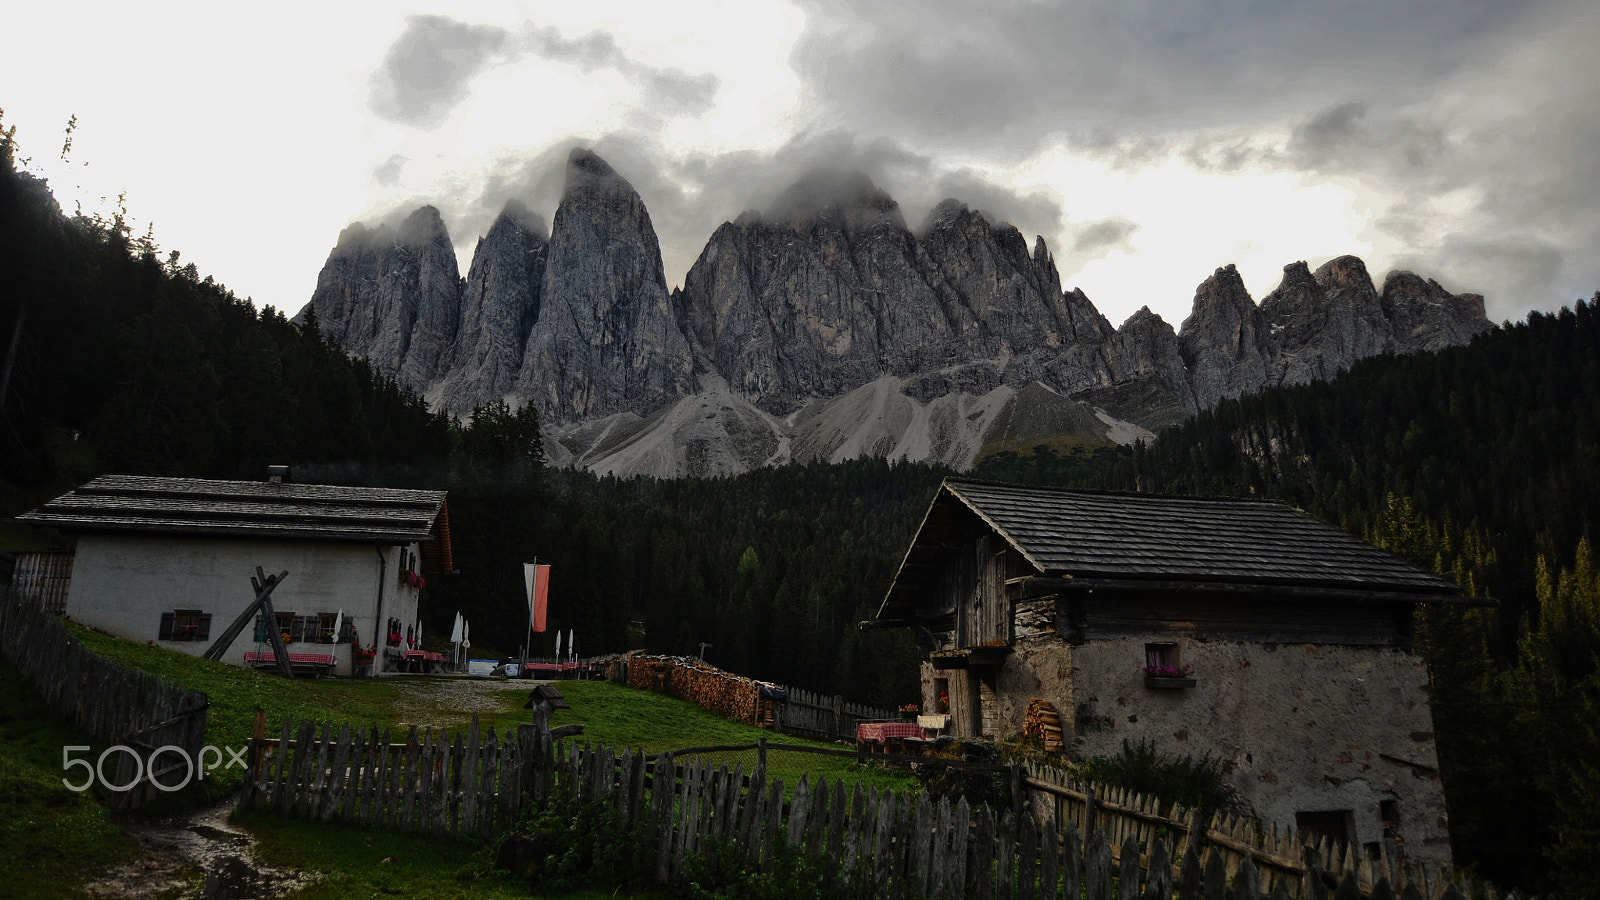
x,y
611,714
49,835
38,814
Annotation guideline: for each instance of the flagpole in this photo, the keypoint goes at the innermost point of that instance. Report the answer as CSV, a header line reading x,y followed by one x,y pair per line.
x,y
529,644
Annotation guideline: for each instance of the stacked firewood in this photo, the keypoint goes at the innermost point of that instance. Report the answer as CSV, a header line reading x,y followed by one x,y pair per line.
x,y
1044,723
705,686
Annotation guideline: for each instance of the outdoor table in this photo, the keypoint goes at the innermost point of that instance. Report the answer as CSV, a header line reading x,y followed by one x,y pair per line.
x,y
888,734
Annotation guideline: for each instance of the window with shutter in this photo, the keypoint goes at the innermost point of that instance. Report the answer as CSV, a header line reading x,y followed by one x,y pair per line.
x,y
186,625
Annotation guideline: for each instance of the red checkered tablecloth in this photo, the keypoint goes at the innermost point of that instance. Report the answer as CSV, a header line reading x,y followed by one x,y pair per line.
x,y
883,731
298,659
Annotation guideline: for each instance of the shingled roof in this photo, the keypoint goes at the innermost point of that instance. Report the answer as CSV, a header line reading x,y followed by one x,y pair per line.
x,y
254,509
1102,537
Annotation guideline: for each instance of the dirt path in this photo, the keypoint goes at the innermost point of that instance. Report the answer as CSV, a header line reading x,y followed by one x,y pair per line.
x,y
203,856
200,856
450,702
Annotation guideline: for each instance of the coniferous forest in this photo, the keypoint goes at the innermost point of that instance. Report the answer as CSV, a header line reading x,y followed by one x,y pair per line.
x,y
1481,463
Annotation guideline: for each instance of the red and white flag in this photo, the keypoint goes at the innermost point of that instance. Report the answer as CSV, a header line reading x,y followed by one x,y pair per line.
x,y
538,581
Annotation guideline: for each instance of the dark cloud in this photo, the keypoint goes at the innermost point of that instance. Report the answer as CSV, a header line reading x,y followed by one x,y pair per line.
x,y
1097,239
429,69
1011,77
1480,154
387,174
690,195
669,91
1518,270
1351,137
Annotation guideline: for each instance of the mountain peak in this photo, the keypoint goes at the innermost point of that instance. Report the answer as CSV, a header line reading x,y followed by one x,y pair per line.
x,y
1344,271
586,171
516,211
835,193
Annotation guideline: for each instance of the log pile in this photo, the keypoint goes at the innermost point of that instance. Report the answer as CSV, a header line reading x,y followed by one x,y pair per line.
x,y
705,686
1045,723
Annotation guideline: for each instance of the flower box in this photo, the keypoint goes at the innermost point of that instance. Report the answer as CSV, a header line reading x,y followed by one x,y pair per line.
x,y
1169,681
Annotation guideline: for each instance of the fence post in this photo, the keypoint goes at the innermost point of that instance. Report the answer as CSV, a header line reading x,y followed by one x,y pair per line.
x,y
256,737
761,752
1016,793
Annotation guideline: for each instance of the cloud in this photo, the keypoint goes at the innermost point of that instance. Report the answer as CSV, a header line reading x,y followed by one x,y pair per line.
x,y
1097,239
672,91
387,173
428,71
1460,129
690,194
1012,77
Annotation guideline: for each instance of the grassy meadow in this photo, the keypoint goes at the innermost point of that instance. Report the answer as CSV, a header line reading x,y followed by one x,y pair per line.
x,y
38,813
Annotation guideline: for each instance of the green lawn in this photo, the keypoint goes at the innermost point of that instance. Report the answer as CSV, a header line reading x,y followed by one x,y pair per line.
x,y
352,862
610,714
39,816
42,823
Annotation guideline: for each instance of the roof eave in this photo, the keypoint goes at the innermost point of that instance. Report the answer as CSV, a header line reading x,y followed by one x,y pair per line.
x,y
286,534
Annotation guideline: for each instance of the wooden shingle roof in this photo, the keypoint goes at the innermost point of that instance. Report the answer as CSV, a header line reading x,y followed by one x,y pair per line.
x,y
1147,536
249,509
1102,537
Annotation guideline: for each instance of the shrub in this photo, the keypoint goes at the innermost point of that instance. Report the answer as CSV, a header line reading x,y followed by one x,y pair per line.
x,y
955,781
1195,784
569,845
719,871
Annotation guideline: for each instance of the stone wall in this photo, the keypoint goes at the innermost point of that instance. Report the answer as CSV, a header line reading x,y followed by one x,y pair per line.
x,y
1298,728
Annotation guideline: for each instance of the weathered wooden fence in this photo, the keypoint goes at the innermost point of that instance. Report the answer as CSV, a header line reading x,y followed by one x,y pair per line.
x,y
876,843
904,845
471,786
1278,855
830,717
114,705
44,577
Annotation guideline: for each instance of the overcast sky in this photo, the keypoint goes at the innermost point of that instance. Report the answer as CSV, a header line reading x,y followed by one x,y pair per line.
x,y
1148,141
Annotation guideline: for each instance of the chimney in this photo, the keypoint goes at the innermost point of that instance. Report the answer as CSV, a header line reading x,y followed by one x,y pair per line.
x,y
277,474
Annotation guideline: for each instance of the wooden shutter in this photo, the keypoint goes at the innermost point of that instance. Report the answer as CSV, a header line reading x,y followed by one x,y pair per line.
x,y
167,619
202,631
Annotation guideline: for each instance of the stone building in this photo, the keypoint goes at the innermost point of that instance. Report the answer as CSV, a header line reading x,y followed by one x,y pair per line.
x,y
169,560
1243,630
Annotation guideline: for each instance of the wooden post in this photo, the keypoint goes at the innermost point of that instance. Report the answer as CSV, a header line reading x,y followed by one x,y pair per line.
x,y
1016,794
256,737
263,585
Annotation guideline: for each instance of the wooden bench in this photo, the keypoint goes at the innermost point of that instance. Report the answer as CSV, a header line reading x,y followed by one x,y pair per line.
x,y
313,664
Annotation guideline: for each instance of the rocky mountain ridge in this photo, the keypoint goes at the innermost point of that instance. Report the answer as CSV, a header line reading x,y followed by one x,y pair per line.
x,y
824,327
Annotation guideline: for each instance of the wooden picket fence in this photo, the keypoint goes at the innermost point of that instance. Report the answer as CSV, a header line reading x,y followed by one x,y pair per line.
x,y
821,715
1277,855
876,843
904,845
116,706
471,786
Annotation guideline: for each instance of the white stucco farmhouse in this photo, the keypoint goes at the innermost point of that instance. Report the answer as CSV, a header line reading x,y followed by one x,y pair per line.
x,y
169,560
